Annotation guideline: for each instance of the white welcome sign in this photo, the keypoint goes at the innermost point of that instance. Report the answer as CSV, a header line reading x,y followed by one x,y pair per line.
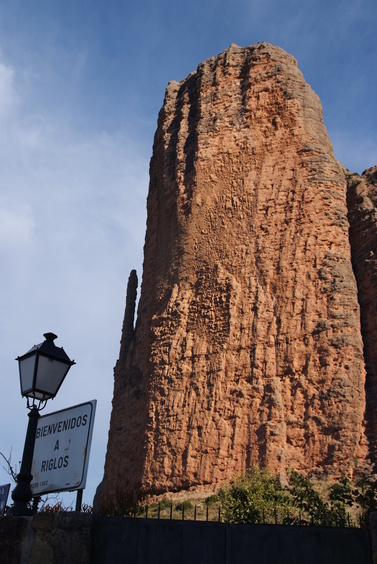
x,y
62,448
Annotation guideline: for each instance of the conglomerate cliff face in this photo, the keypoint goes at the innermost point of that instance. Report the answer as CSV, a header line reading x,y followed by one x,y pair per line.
x,y
247,348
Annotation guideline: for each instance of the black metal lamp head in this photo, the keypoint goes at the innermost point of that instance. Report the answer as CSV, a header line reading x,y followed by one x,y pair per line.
x,y
43,369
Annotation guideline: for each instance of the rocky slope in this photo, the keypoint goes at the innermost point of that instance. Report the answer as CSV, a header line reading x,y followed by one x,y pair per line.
x,y
247,348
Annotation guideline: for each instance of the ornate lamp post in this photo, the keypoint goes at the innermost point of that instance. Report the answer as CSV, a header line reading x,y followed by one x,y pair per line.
x,y
42,371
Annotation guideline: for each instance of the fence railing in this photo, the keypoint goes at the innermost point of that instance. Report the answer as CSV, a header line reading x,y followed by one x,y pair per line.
x,y
187,512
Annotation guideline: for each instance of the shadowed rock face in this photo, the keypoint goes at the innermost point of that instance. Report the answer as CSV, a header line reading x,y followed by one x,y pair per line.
x,y
362,204
247,348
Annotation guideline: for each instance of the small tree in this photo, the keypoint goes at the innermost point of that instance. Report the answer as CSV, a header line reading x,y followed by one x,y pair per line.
x,y
366,497
342,497
314,509
306,499
9,469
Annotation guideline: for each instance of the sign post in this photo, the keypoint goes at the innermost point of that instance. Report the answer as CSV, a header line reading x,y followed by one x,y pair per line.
x,y
62,448
4,492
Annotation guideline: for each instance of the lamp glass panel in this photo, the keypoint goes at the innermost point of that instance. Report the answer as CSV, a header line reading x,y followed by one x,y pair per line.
x,y
50,375
40,396
27,366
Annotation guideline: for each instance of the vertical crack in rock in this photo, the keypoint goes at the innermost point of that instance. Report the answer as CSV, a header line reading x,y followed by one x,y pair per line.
x,y
247,347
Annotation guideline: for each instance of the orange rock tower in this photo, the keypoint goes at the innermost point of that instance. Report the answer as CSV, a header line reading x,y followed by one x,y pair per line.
x,y
247,347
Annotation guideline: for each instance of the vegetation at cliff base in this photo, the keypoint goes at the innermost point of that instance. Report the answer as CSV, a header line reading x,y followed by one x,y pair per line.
x,y
258,497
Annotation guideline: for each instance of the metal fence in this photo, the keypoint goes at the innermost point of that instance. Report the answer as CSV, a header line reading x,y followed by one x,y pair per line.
x,y
186,512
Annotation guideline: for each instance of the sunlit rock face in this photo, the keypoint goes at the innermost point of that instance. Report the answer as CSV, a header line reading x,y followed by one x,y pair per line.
x,y
247,347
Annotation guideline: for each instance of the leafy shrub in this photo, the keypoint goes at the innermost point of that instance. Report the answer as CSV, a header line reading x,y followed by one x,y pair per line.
x,y
253,497
165,503
212,499
184,505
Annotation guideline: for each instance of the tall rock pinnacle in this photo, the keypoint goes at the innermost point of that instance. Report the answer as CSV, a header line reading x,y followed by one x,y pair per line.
x,y
247,348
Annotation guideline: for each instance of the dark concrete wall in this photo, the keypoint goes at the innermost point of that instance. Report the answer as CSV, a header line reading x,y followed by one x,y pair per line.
x,y
13,532
46,538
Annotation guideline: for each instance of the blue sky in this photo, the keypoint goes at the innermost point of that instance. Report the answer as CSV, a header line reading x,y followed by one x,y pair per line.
x,y
81,85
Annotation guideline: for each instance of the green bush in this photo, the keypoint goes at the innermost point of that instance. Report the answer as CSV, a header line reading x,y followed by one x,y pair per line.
x,y
184,505
253,498
165,503
212,499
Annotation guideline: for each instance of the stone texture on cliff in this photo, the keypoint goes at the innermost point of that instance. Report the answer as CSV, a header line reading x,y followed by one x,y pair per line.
x,y
362,204
247,348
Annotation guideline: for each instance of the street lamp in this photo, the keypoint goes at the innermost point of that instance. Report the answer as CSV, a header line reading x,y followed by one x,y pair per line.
x,y
42,371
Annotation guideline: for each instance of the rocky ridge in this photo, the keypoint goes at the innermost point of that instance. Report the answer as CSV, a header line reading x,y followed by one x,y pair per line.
x,y
248,346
